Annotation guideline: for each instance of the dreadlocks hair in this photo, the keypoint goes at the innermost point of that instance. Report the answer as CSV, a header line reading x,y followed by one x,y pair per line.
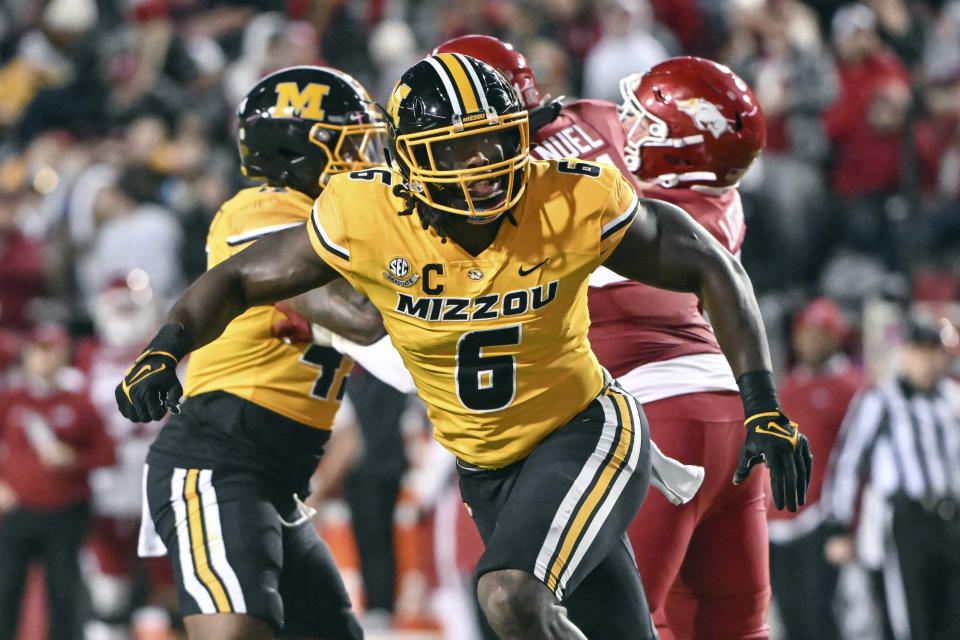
x,y
428,216
410,203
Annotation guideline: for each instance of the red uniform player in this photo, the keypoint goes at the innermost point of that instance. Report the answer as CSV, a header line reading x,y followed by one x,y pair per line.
x,y
686,133
116,578
818,390
51,438
693,128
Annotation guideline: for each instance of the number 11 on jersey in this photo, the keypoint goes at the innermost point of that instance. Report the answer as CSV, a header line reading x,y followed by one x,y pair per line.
x,y
328,360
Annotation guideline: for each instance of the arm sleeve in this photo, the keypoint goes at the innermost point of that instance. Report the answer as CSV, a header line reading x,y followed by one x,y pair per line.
x,y
858,434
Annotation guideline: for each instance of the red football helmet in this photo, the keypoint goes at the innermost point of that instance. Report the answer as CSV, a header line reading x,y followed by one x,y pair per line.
x,y
501,56
696,122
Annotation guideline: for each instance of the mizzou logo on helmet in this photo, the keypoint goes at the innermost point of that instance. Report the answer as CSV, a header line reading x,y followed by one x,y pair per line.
x,y
291,101
399,93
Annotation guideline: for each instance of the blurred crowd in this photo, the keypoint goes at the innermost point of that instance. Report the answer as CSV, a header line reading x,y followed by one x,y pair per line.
x,y
117,147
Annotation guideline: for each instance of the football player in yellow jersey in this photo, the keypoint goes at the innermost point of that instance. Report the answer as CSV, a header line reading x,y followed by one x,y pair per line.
x,y
482,281
224,477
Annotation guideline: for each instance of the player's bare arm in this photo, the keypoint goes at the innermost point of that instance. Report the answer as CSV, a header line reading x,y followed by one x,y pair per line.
x,y
338,307
665,248
278,266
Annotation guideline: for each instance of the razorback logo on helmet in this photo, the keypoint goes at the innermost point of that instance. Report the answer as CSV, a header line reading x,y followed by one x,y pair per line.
x,y
306,103
705,115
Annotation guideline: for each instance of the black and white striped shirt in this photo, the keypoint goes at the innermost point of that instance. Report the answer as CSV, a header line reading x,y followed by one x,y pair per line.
x,y
902,441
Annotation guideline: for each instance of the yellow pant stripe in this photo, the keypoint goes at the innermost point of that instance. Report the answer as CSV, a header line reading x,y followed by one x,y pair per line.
x,y
597,492
197,547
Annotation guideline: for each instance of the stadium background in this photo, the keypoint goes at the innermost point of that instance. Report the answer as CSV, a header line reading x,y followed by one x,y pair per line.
x,y
117,147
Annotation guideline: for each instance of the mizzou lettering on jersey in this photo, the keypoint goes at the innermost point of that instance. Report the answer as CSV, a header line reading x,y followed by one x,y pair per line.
x,y
496,343
299,381
489,307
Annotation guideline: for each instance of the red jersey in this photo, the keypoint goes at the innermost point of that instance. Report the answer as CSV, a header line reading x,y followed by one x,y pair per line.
x,y
586,129
21,278
864,161
28,418
633,324
818,400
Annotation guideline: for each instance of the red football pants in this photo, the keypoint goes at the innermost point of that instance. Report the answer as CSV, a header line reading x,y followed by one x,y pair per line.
x,y
705,564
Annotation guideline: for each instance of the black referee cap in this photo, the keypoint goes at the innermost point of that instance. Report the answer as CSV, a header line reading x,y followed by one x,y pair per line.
x,y
924,334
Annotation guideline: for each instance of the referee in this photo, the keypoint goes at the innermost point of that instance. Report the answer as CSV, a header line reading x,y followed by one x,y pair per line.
x,y
903,437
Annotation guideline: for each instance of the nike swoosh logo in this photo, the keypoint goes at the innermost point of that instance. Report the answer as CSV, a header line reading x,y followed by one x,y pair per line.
x,y
526,272
779,427
778,430
145,372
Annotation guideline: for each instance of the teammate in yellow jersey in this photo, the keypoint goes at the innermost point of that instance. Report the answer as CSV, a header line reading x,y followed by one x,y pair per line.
x,y
481,280
224,477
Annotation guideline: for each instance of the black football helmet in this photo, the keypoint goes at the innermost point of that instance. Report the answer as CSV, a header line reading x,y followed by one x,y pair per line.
x,y
301,125
459,136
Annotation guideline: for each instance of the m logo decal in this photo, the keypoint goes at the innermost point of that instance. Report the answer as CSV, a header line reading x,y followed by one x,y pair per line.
x,y
399,93
291,101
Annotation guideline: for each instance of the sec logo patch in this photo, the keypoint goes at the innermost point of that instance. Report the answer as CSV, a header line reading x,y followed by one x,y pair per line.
x,y
399,267
398,272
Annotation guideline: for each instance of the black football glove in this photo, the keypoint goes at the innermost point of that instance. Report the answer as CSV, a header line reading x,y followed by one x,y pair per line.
x,y
150,386
774,439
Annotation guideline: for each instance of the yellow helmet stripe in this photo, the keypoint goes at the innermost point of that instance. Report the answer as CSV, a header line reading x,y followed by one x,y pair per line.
x,y
475,80
447,79
465,87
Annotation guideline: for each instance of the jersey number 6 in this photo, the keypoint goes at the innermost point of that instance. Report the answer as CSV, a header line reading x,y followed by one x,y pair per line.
x,y
486,383
579,168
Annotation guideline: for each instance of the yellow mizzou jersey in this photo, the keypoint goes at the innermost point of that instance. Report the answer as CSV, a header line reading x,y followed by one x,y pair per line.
x,y
497,343
301,381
